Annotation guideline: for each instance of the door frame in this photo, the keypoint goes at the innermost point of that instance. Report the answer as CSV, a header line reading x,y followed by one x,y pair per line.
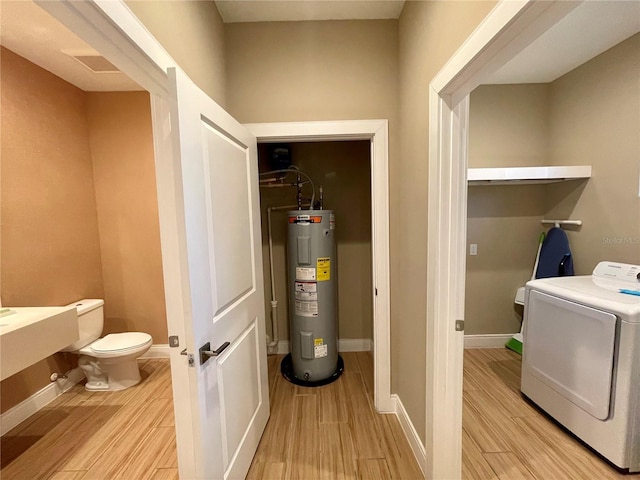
x,y
377,132
504,33
111,28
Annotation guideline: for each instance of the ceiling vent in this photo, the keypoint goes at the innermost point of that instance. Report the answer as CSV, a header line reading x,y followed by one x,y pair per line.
x,y
97,63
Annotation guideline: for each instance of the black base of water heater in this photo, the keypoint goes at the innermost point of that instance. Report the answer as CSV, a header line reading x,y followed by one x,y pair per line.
x,y
286,367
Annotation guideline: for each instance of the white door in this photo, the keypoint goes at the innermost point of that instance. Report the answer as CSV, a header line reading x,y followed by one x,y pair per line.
x,y
222,409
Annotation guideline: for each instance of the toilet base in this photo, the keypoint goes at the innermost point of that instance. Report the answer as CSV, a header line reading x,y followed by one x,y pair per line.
x,y
103,375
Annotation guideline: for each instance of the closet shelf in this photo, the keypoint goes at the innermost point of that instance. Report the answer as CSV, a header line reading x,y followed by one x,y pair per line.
x,y
526,175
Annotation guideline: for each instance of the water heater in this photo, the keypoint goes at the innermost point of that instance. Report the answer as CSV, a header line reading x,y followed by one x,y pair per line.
x,y
312,282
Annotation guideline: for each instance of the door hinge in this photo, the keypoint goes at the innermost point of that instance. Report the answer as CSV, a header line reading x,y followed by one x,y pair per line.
x,y
459,325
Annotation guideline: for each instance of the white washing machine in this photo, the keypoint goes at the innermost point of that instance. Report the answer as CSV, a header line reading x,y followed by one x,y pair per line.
x,y
581,358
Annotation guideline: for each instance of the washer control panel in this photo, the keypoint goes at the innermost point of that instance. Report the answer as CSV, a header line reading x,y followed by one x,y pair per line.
x,y
619,272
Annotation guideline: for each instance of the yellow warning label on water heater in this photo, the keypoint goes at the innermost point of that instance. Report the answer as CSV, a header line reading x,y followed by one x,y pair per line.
x,y
318,341
323,269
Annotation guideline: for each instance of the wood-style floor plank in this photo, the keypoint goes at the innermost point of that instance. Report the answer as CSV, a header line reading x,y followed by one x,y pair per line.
x,y
354,440
336,453
362,422
304,457
474,465
508,466
373,469
81,429
67,476
333,403
120,451
147,455
50,453
330,432
398,454
165,474
506,433
275,444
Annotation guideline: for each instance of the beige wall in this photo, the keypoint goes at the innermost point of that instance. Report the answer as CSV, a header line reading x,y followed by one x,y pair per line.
x,y
50,243
343,170
429,33
125,189
508,127
294,71
595,120
193,34
79,208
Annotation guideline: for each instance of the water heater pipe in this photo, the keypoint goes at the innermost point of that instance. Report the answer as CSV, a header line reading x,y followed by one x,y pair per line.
x,y
271,346
298,173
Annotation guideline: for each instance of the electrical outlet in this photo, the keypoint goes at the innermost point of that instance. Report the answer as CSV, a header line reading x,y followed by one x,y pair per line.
x,y
473,249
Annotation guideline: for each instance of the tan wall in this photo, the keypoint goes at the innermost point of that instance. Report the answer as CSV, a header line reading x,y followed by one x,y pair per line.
x,y
595,120
193,34
50,244
429,34
125,188
294,71
508,126
79,207
343,170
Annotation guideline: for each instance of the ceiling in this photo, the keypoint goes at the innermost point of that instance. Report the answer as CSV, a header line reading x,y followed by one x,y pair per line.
x,y
235,11
32,33
589,30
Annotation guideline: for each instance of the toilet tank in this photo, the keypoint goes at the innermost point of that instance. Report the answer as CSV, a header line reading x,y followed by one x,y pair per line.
x,y
90,322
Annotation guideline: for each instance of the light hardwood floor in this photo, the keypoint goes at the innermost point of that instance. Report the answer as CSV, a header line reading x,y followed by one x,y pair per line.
x,y
323,433
505,437
331,432
98,435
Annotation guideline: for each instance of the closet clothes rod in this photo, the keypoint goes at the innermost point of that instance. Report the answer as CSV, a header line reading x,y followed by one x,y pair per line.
x,y
557,223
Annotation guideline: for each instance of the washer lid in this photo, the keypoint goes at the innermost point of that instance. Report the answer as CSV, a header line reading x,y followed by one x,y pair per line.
x,y
592,291
120,341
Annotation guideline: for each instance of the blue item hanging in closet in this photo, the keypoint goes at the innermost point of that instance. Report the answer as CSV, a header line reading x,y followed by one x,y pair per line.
x,y
555,255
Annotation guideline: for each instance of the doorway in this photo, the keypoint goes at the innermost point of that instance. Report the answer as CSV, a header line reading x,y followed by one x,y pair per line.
x,y
505,33
375,134
342,171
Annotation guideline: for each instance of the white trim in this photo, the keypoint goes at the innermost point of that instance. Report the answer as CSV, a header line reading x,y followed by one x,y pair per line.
x,y
120,36
157,351
283,347
344,345
410,432
377,132
354,344
507,30
18,414
492,340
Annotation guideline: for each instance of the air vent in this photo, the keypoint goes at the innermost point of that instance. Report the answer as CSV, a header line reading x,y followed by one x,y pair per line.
x,y
97,63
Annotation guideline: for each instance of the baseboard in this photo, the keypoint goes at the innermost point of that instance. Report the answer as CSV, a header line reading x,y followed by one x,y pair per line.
x,y
18,414
344,345
354,344
410,432
487,340
157,351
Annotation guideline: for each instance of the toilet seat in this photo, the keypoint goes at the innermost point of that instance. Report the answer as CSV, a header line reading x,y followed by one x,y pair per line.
x,y
118,344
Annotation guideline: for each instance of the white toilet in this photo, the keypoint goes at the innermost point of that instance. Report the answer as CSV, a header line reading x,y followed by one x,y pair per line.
x,y
109,363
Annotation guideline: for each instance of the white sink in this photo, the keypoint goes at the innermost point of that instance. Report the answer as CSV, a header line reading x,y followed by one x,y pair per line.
x,y
30,334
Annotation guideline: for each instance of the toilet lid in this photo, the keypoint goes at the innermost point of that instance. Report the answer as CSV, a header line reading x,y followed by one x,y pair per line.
x,y
120,341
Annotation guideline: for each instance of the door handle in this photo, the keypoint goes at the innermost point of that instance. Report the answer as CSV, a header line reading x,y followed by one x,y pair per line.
x,y
206,353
